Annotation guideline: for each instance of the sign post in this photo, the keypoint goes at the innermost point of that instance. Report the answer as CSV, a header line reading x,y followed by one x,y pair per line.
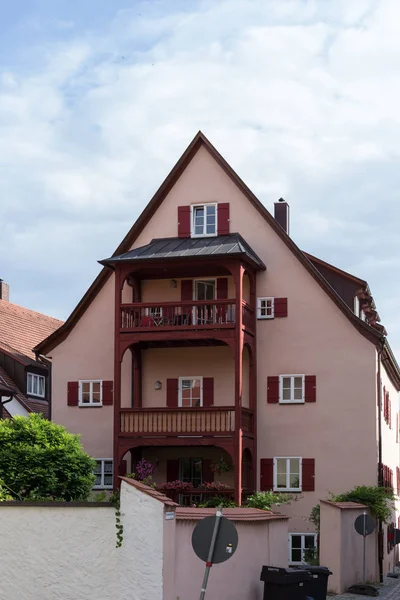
x,y
364,525
214,540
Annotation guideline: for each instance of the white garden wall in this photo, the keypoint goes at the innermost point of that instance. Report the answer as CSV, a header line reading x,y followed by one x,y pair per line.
x,y
58,552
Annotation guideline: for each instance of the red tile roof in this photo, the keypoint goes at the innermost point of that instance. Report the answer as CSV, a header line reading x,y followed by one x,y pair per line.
x,y
21,329
30,404
344,505
233,514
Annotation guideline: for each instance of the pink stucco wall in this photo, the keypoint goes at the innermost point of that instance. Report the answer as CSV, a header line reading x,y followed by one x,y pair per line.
x,y
260,543
339,430
341,547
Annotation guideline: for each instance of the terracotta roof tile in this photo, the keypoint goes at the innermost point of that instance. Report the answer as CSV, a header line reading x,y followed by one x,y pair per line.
x,y
233,514
344,505
21,329
30,404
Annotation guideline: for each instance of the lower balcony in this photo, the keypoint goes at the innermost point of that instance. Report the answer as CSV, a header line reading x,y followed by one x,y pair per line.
x,y
209,494
177,422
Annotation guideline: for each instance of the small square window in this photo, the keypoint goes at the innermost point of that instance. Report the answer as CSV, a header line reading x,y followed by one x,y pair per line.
x,y
291,389
204,220
104,474
287,474
190,392
302,547
265,308
90,393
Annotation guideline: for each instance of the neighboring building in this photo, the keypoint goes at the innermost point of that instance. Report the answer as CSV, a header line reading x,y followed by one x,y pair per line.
x,y
209,334
22,374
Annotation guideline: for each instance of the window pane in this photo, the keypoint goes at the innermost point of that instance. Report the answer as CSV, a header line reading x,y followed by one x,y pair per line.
x,y
35,385
286,394
294,481
296,555
298,394
286,383
96,398
185,469
86,387
295,465
108,479
309,541
281,465
199,211
211,229
298,382
41,386
97,468
281,480
210,210
197,467
96,386
296,541
198,230
108,466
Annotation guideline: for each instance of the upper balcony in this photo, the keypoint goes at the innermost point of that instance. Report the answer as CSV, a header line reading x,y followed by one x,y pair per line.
x,y
141,317
186,285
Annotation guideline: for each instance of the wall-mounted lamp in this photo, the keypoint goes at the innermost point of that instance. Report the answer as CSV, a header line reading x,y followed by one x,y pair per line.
x,y
158,385
173,283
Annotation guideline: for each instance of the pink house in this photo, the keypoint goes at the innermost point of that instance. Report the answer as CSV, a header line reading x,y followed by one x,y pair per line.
x,y
210,340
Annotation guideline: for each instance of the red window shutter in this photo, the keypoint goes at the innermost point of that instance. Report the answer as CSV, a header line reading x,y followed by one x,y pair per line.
x,y
208,391
172,393
310,388
222,288
73,393
183,221
266,474
223,218
187,290
173,469
308,474
123,468
280,307
108,393
273,390
207,473
390,413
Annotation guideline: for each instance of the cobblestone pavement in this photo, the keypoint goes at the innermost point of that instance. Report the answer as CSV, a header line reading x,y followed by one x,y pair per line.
x,y
389,590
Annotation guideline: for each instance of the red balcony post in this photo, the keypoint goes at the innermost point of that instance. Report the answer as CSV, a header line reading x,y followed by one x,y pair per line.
x,y
238,355
117,376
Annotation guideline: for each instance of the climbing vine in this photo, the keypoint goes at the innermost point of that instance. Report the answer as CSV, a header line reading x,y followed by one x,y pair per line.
x,y
115,501
380,500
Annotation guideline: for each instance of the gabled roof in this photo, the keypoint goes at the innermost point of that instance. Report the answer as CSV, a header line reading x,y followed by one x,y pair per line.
x,y
199,141
170,248
21,329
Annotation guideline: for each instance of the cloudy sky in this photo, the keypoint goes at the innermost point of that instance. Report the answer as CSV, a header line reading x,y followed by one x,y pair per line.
x,y
98,99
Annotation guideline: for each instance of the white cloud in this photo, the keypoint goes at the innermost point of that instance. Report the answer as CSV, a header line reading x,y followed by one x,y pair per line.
x,y
300,96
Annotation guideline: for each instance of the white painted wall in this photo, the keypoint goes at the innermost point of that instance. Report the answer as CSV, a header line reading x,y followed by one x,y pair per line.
x,y
141,554
58,553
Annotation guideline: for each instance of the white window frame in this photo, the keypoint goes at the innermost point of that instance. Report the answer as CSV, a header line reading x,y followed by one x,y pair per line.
x,y
292,399
265,299
192,225
30,378
303,548
91,403
180,391
356,306
102,486
288,488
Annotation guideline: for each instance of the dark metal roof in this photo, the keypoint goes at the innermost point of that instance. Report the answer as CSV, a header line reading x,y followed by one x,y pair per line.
x,y
169,248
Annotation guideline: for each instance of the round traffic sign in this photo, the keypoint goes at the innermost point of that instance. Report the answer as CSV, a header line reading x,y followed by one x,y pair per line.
x,y
226,542
364,524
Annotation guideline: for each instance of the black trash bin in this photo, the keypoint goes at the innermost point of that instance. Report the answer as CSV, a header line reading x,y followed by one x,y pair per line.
x,y
317,586
284,584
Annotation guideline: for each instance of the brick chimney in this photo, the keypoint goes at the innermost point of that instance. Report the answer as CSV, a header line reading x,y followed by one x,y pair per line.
x,y
4,291
281,214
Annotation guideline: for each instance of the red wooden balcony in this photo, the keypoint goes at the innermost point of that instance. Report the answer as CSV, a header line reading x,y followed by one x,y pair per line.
x,y
217,314
215,420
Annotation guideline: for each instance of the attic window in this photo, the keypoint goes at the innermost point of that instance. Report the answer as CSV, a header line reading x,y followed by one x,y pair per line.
x,y
204,220
35,385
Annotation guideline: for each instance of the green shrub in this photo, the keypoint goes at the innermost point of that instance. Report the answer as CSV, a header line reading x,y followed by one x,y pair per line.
x,y
265,500
40,460
216,501
380,500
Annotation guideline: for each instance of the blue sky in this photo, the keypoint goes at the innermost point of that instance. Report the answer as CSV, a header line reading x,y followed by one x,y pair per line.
x,y
98,99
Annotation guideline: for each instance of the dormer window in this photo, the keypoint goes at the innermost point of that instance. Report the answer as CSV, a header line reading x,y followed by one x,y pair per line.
x,y
204,220
35,385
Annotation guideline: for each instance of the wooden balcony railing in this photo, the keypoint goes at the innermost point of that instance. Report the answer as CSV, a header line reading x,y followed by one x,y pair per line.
x,y
199,314
196,496
247,420
177,421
